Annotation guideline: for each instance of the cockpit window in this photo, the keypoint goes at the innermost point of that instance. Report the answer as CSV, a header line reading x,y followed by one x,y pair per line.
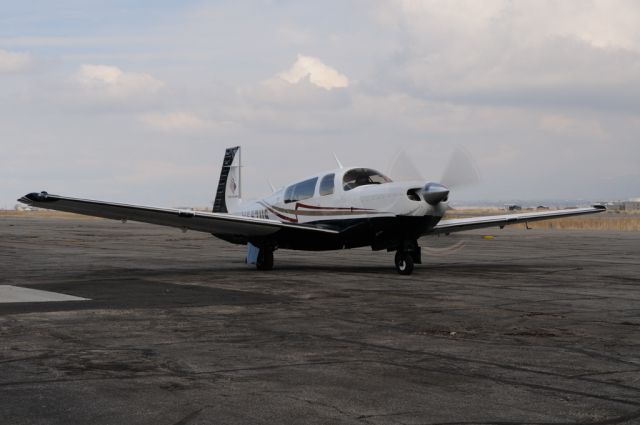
x,y
363,176
300,191
326,184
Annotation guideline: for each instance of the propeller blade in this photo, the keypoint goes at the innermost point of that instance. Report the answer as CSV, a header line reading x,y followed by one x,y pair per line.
x,y
402,168
460,171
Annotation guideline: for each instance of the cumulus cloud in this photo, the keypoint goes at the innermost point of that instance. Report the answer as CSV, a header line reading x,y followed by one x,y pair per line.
x,y
319,74
299,97
13,61
113,82
279,94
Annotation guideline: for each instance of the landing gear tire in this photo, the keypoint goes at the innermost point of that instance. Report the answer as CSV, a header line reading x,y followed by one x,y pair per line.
x,y
265,259
404,263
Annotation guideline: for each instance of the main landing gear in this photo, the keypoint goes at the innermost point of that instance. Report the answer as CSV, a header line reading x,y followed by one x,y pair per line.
x,y
260,255
265,259
407,255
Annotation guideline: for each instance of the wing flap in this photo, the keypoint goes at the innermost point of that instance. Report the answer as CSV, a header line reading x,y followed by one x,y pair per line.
x,y
216,223
461,224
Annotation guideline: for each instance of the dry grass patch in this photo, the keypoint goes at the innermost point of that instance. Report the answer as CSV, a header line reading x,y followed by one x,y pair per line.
x,y
627,221
42,214
603,221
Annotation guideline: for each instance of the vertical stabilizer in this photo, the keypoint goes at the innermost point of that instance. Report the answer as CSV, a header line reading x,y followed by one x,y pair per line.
x,y
229,188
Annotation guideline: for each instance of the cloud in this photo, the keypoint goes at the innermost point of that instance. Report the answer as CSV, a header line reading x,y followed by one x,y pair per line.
x,y
14,61
113,82
317,73
582,54
181,122
293,35
523,85
278,94
602,23
300,98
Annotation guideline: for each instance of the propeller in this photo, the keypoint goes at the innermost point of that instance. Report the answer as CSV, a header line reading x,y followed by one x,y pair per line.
x,y
402,168
460,171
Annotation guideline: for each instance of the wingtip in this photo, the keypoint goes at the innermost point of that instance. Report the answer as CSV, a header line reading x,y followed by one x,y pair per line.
x,y
35,197
600,207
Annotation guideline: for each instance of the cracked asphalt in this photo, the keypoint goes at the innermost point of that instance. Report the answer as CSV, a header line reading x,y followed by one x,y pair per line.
x,y
530,327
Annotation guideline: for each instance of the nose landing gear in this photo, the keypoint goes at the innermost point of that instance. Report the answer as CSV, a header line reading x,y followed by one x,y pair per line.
x,y
404,263
407,255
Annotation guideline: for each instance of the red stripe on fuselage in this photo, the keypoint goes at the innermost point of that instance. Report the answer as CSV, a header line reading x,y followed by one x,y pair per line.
x,y
313,207
284,217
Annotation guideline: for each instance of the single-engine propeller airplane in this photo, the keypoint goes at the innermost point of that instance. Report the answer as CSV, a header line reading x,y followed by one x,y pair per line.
x,y
344,208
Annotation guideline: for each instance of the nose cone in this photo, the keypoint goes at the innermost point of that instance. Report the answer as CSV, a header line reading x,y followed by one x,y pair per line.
x,y
434,193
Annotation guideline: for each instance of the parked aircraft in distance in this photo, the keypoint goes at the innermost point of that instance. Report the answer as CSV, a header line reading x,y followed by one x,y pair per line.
x,y
344,208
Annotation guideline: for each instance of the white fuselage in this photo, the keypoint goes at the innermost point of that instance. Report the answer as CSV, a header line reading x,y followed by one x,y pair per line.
x,y
328,197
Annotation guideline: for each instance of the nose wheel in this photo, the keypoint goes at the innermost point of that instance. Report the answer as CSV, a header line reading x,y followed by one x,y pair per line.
x,y
407,255
404,262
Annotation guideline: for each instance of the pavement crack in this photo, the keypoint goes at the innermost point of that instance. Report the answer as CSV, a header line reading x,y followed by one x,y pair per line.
x,y
191,416
386,415
318,403
271,367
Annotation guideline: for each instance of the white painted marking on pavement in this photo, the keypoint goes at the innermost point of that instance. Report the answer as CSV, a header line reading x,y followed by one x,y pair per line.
x,y
18,294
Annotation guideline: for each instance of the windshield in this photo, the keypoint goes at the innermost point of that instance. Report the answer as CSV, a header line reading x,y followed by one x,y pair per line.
x,y
363,176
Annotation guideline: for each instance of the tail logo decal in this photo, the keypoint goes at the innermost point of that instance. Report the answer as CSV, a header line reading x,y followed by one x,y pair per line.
x,y
234,186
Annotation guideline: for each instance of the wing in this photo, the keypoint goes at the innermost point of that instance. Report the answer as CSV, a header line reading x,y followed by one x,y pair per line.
x,y
215,223
460,224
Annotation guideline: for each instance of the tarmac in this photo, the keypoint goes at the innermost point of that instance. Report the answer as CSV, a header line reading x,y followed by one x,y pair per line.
x,y
528,327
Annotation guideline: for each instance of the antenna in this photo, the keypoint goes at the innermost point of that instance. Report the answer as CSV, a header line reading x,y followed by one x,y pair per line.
x,y
273,188
239,173
337,160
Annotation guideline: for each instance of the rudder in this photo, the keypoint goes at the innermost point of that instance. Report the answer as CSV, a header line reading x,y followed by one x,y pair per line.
x,y
228,192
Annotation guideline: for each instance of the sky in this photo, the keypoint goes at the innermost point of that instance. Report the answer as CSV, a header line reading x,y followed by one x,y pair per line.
x,y
136,101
